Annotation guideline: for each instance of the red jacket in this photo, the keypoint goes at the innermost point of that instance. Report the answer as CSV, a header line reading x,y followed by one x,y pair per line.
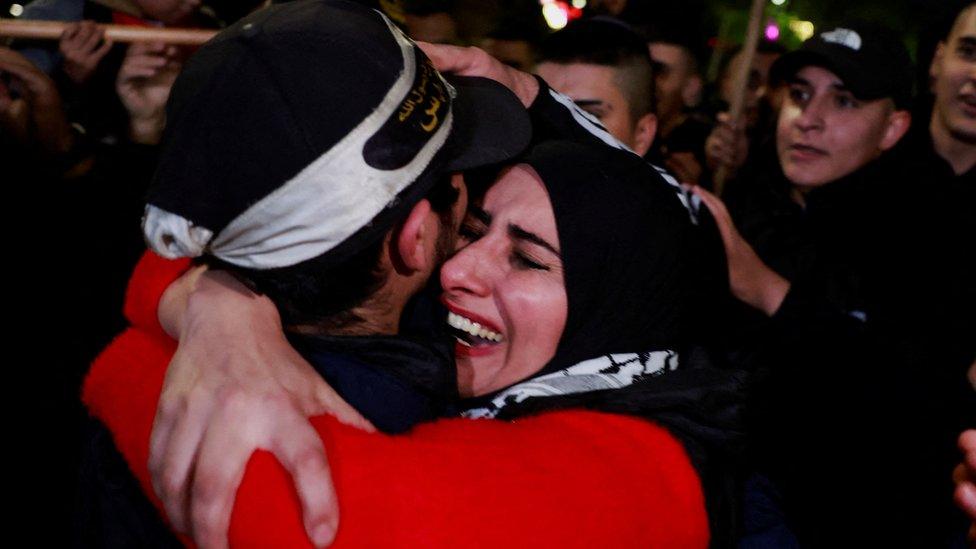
x,y
563,479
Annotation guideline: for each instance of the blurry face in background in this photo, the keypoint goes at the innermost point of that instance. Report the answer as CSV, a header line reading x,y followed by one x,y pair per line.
x,y
504,288
953,71
514,53
608,7
677,84
757,84
595,89
825,133
168,11
437,28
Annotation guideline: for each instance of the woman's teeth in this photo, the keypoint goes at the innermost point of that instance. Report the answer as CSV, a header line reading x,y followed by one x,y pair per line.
x,y
465,325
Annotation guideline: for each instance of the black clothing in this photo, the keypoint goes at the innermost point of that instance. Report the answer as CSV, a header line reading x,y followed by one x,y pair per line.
x,y
556,117
393,381
863,366
624,239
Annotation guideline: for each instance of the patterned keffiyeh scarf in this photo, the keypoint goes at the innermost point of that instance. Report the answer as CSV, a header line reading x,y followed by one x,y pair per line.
x,y
612,371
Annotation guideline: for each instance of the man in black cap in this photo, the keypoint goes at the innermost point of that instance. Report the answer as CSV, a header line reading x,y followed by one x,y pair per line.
x,y
335,204
813,259
849,90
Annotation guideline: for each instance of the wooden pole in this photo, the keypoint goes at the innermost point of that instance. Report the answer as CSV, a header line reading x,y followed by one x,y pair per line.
x,y
741,79
52,30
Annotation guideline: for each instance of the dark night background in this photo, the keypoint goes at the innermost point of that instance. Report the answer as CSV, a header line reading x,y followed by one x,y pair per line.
x,y
46,452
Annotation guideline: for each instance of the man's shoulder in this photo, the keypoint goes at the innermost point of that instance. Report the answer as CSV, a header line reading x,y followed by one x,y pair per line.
x,y
394,381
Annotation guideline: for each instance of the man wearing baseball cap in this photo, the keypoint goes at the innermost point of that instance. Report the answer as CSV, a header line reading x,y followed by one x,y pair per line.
x,y
811,263
849,89
309,152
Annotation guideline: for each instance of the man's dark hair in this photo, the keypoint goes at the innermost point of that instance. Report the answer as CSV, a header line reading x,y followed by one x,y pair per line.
x,y
428,7
935,26
316,293
679,34
764,46
610,43
519,23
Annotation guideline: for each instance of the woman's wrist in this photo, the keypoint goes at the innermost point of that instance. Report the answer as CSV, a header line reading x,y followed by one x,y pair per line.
x,y
175,301
217,296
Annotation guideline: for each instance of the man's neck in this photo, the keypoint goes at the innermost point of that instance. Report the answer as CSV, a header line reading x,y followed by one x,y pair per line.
x,y
374,317
379,314
959,154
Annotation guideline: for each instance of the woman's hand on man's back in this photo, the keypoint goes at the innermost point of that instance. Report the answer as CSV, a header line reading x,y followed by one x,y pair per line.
x,y
235,385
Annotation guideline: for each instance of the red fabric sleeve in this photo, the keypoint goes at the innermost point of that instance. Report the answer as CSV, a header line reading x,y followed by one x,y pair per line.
x,y
565,479
149,281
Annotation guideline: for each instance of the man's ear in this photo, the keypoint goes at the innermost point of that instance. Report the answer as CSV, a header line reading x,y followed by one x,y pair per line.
x,y
898,124
644,132
691,92
414,238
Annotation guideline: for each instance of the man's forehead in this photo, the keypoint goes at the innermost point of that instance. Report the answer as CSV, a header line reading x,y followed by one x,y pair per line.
x,y
965,24
668,53
821,75
816,74
575,76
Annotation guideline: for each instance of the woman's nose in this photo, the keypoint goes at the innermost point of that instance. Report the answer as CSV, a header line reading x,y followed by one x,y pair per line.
x,y
467,271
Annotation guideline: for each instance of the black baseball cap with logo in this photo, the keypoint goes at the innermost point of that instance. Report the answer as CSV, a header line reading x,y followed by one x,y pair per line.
x,y
307,130
870,59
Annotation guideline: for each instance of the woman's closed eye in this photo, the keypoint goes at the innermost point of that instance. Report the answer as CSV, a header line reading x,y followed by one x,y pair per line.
x,y
524,261
472,228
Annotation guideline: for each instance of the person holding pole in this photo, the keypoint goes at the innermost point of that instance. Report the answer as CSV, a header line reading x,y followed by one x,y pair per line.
x,y
837,269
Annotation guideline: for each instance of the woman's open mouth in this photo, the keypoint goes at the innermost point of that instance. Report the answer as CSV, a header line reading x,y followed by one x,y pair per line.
x,y
470,333
472,338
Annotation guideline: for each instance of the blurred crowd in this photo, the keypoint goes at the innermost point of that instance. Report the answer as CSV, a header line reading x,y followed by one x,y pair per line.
x,y
843,192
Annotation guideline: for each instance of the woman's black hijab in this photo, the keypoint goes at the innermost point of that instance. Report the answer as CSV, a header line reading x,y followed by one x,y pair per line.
x,y
624,237
627,244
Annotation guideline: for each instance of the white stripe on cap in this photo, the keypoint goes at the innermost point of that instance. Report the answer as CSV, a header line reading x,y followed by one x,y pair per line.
x,y
326,203
173,236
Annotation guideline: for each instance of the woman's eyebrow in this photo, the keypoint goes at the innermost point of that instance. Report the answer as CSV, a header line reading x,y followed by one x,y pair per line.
x,y
521,234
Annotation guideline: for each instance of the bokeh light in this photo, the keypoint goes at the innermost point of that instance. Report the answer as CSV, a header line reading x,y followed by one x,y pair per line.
x,y
556,15
803,29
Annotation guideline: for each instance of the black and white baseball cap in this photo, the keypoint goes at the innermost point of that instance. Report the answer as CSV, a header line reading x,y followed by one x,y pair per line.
x,y
870,59
308,129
